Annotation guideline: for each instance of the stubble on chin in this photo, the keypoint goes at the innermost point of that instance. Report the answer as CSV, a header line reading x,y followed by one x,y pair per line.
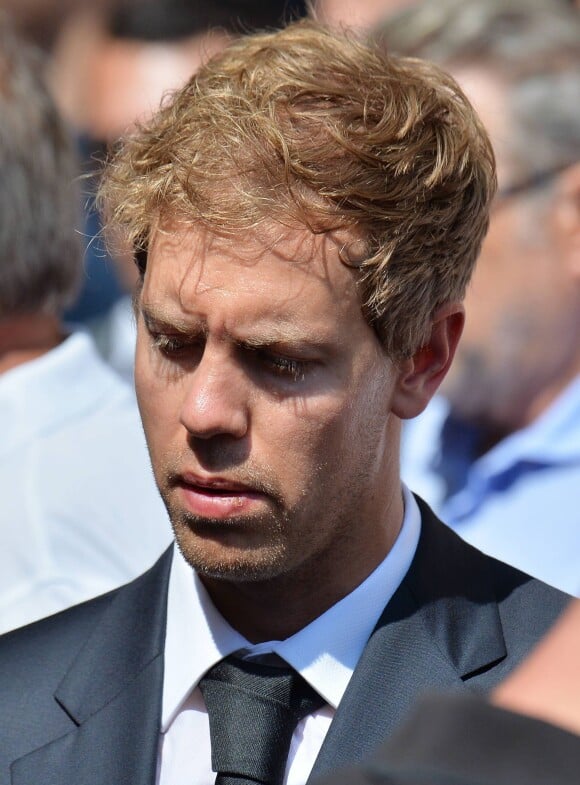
x,y
250,547
246,548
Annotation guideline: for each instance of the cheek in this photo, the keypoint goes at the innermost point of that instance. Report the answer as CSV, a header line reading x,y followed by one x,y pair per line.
x,y
501,276
309,438
485,301
158,401
298,438
145,382
370,439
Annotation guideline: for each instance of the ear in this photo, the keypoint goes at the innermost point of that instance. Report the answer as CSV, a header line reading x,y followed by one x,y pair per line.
x,y
421,375
566,217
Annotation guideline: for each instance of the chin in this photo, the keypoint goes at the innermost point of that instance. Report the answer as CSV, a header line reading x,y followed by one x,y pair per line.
x,y
225,552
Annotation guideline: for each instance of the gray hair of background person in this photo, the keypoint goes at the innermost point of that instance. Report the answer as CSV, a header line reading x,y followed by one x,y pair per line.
x,y
39,248
534,48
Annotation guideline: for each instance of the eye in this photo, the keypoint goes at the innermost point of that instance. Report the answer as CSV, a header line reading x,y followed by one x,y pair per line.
x,y
168,345
295,370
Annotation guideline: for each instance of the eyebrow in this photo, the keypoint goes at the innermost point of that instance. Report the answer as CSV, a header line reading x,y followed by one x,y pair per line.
x,y
278,335
273,334
162,319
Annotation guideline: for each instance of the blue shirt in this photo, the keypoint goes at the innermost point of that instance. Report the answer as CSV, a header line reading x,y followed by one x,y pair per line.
x,y
520,501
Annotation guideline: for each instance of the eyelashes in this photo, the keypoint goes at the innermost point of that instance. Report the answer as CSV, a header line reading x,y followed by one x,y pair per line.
x,y
285,366
176,349
168,345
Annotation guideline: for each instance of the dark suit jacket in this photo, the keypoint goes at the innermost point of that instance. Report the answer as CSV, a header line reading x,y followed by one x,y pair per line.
x,y
463,740
80,692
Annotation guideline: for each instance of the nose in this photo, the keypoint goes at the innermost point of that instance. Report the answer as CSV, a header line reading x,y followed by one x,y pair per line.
x,y
216,402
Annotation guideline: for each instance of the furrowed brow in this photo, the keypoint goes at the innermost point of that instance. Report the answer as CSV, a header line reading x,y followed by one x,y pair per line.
x,y
160,319
283,338
264,340
266,336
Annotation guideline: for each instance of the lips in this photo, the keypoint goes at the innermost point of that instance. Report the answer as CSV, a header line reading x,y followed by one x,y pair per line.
x,y
215,484
217,497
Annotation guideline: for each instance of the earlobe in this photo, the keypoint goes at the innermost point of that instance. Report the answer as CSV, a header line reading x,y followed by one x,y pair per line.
x,y
421,374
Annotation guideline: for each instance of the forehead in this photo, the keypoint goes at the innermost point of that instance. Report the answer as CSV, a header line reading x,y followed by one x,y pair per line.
x,y
269,274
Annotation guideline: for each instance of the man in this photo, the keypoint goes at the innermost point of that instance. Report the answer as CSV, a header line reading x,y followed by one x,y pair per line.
x,y
79,511
308,213
499,454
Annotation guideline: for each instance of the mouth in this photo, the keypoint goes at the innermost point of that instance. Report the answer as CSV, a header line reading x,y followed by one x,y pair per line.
x,y
217,485
217,497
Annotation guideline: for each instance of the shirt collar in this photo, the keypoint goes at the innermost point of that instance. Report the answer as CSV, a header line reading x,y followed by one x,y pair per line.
x,y
325,652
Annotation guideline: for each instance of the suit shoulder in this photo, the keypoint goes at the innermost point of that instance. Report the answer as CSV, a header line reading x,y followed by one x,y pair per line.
x,y
43,664
33,662
42,651
528,606
444,560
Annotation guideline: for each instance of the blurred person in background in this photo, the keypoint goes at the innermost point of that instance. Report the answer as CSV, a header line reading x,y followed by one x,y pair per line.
x,y
41,21
67,32
359,15
110,61
498,454
79,510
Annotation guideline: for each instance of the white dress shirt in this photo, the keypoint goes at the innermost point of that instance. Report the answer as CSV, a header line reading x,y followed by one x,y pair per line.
x,y
79,510
325,653
115,335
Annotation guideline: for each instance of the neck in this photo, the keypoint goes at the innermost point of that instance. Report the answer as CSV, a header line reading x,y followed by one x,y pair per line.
x,y
276,608
26,337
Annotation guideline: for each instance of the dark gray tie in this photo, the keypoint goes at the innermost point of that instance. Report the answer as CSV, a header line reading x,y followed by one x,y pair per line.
x,y
253,711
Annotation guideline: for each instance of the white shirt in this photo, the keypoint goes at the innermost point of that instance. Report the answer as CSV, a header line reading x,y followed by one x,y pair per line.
x,y
79,510
325,653
115,334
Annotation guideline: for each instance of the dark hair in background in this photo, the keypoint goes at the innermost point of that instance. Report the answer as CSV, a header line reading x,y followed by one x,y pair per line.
x,y
166,20
39,245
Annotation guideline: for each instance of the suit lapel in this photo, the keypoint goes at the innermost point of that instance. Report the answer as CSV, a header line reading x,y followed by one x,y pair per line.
x,y
113,693
441,627
117,745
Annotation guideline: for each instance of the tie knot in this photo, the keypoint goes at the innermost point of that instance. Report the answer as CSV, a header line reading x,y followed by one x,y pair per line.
x,y
279,684
253,710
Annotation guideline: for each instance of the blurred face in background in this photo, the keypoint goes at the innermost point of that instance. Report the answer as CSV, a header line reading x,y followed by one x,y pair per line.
x,y
128,79
358,14
521,332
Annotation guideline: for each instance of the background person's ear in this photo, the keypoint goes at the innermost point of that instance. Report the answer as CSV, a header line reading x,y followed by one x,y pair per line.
x,y
421,374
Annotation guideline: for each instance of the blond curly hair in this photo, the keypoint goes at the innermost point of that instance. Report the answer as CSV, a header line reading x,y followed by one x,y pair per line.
x,y
306,126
